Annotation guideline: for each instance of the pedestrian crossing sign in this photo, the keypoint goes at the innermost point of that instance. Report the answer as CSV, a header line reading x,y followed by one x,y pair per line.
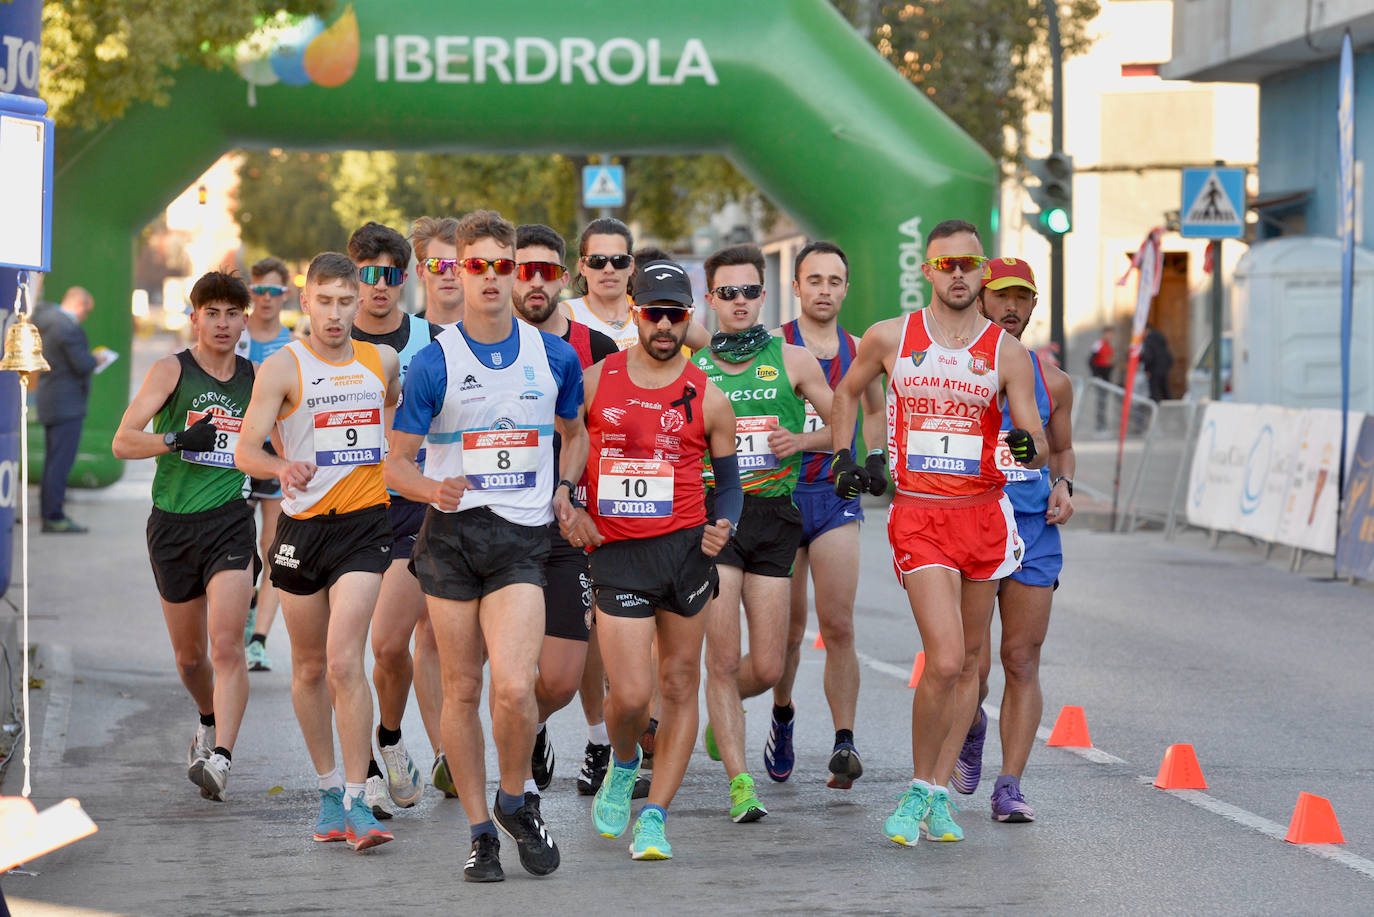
x,y
603,186
1213,203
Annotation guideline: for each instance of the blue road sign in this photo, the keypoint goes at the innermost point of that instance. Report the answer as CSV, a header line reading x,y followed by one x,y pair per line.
x,y
1213,203
603,186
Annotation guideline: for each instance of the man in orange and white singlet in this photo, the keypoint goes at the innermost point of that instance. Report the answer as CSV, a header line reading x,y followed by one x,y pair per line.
x,y
951,374
329,400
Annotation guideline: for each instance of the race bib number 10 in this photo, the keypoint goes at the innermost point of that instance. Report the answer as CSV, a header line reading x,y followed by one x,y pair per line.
x,y
641,488
1014,472
751,443
348,437
226,440
501,459
937,444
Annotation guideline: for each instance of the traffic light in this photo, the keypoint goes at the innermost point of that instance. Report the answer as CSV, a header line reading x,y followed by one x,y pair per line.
x,y
1053,195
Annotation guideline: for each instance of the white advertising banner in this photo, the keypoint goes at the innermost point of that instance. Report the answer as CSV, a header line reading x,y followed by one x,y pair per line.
x,y
1308,517
1218,470
1274,437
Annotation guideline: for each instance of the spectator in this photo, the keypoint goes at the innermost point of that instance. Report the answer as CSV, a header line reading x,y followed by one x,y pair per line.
x,y
62,395
1157,359
1103,355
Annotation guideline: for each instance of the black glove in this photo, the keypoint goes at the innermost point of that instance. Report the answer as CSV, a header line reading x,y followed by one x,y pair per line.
x,y
876,468
850,478
1021,446
198,437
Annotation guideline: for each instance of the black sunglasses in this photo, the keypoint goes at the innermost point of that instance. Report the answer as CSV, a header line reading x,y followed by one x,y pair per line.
x,y
619,262
750,291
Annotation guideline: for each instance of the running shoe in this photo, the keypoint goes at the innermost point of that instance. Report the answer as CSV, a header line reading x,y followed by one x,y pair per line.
x,y
939,821
744,802
202,747
402,776
611,810
778,756
642,783
968,770
538,853
484,860
257,658
378,799
361,828
593,768
330,825
845,766
214,776
252,620
650,842
441,778
542,760
903,826
710,742
646,745
1008,805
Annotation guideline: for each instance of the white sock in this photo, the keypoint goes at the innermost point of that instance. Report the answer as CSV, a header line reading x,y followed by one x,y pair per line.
x,y
332,780
531,787
351,790
598,735
928,787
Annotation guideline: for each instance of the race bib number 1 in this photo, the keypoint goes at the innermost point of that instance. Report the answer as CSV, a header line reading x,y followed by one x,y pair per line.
x,y
348,437
226,440
501,459
640,488
937,444
1014,472
751,443
813,423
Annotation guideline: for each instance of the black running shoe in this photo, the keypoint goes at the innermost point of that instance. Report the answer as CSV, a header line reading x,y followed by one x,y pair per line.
x,y
525,826
598,758
542,760
641,788
484,862
646,745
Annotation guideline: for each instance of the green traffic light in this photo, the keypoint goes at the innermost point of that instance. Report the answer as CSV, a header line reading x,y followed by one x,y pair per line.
x,y
1056,220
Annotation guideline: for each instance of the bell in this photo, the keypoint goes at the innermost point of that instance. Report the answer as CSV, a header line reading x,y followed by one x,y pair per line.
x,y
23,347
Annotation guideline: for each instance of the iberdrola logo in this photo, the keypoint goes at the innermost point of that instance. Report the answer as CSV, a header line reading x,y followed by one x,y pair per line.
x,y
298,51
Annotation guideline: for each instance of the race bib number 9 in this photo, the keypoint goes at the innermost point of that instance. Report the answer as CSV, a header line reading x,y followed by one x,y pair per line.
x,y
937,444
751,442
348,438
501,459
1016,474
226,440
639,488
813,423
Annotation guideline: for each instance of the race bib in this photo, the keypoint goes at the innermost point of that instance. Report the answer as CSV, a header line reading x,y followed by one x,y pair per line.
x,y
751,442
501,459
640,488
226,440
938,444
812,423
1015,473
348,437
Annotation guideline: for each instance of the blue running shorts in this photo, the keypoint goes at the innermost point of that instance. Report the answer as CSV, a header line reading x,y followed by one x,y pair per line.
x,y
1044,554
822,511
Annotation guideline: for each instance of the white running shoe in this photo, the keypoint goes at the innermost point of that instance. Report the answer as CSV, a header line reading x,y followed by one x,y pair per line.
x,y
214,777
402,776
377,798
202,747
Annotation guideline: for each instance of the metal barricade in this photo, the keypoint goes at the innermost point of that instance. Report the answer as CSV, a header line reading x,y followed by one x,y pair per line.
x,y
1096,419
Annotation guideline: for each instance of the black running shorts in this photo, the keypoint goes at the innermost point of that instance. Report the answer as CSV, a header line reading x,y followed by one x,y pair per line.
x,y
632,578
186,549
767,537
466,555
406,517
568,593
311,554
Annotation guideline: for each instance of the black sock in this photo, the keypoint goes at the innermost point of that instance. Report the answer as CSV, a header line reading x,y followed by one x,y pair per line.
x,y
783,714
221,750
373,770
387,737
207,719
259,638
844,735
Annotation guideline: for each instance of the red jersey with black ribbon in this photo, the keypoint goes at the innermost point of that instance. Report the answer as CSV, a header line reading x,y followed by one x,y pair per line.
x,y
647,445
815,466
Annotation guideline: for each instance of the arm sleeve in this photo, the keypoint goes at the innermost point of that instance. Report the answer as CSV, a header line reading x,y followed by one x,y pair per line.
x,y
602,346
729,491
567,373
422,395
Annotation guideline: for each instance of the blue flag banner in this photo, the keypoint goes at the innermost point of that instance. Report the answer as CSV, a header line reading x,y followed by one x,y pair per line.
x,y
1345,229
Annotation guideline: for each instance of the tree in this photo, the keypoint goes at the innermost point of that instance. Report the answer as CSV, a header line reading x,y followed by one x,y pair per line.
x,y
285,203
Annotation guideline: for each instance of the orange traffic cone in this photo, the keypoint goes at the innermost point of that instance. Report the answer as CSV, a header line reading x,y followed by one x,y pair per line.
x,y
1071,729
819,644
917,668
1179,770
1314,822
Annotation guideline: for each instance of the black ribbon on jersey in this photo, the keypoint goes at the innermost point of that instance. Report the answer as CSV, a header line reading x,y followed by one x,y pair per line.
x,y
737,348
688,393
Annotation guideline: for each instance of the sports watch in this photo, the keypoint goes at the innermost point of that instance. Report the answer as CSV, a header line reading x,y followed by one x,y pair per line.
x,y
1066,479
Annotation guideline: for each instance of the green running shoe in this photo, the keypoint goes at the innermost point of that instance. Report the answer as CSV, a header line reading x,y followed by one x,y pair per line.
x,y
939,823
711,750
744,802
611,808
650,842
904,825
441,778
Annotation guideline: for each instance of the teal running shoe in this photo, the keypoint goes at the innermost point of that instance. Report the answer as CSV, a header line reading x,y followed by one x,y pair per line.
x,y
650,842
252,620
258,660
611,808
903,826
710,741
361,828
939,823
330,826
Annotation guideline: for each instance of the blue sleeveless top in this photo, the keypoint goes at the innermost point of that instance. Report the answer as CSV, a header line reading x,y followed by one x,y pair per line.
x,y
1031,494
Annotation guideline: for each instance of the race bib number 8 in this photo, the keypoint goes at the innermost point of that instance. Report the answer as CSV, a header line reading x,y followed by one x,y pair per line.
x,y
638,488
751,442
1015,473
226,440
348,438
501,459
937,444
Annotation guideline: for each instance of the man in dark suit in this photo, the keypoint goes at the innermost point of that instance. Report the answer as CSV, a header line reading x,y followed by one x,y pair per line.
x,y
62,395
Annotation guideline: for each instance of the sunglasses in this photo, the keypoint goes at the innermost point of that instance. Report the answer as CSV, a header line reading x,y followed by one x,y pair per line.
x,y
546,269
619,262
501,266
440,265
394,276
267,289
750,291
966,263
656,314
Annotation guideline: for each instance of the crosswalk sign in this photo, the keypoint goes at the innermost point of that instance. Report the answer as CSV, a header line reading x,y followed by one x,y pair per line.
x,y
1213,203
603,186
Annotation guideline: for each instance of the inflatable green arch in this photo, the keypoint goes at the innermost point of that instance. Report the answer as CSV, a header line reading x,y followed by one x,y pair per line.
x,y
785,88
